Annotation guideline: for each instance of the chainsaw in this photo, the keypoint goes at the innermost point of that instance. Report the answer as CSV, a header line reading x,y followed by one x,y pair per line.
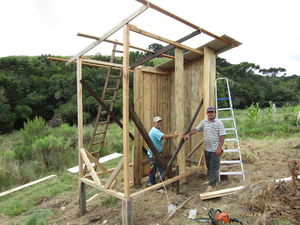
x,y
217,217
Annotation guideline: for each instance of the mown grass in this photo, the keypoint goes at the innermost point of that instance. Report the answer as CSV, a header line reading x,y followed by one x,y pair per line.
x,y
29,198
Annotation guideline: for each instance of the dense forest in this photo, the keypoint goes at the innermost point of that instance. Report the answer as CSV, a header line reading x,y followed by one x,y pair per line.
x,y
33,86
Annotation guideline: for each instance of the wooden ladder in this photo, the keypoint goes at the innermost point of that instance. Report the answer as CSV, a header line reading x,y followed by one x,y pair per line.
x,y
110,89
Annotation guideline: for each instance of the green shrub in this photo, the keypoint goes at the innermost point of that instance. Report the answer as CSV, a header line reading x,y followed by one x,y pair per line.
x,y
253,114
53,153
33,129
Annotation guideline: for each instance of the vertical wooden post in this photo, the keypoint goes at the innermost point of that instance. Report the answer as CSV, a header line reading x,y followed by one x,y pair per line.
x,y
126,204
138,141
82,194
179,105
209,76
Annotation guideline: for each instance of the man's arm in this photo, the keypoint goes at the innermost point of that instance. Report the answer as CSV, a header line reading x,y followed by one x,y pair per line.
x,y
187,136
221,142
167,136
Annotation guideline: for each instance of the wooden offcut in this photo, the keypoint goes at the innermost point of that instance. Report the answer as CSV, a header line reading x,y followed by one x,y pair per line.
x,y
26,185
220,193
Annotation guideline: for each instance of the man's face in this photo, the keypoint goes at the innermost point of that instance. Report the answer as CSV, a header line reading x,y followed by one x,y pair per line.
x,y
157,124
211,115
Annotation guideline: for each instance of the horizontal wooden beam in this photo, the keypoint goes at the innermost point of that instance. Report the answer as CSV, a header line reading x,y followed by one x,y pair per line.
x,y
110,32
164,183
157,8
115,193
148,34
154,70
120,43
86,64
102,63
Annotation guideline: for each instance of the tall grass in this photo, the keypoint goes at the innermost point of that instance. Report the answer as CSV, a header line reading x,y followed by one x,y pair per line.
x,y
269,122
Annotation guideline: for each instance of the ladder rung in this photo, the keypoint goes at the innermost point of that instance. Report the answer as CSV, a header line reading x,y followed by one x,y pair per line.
x,y
99,142
111,88
225,118
222,109
102,123
232,173
103,112
101,132
109,100
119,51
230,129
95,152
116,77
231,150
231,162
231,139
222,98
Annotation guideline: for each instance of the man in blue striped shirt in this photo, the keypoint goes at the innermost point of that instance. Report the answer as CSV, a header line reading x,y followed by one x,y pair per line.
x,y
214,136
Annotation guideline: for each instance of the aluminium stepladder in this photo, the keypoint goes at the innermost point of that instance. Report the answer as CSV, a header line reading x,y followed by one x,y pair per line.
x,y
231,160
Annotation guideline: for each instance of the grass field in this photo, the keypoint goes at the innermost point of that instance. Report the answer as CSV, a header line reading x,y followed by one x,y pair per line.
x,y
260,127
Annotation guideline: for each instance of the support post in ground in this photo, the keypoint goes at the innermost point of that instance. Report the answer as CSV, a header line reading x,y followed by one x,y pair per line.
x,y
127,212
82,198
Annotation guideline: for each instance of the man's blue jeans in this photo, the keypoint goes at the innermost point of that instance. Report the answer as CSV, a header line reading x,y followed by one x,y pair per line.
x,y
153,171
213,165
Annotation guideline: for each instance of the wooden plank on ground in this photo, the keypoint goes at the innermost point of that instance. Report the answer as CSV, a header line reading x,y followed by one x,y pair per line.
x,y
177,208
26,185
220,193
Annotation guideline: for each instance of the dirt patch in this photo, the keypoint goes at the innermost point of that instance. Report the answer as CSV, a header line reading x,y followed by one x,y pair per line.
x,y
261,202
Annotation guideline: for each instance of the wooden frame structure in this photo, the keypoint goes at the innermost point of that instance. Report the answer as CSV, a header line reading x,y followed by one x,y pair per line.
x,y
184,86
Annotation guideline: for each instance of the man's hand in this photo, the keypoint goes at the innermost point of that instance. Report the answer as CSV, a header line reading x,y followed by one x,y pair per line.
x,y
175,134
219,152
187,136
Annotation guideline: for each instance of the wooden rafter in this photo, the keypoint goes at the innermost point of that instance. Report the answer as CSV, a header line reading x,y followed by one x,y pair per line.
x,y
146,33
157,8
110,32
120,43
165,49
86,64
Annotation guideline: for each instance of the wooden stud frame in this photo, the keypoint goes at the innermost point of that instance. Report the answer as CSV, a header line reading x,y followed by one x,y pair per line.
x,y
85,159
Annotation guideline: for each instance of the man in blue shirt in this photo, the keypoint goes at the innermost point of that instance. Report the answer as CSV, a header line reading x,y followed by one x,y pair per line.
x,y
157,138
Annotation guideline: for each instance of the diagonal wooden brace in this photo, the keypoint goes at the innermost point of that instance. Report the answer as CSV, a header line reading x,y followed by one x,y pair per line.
x,y
169,166
107,109
90,167
97,163
114,174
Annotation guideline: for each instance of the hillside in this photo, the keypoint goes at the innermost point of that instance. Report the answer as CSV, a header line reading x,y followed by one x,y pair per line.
x,y
37,86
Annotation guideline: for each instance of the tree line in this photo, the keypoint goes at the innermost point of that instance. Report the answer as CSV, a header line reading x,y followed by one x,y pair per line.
x,y
33,86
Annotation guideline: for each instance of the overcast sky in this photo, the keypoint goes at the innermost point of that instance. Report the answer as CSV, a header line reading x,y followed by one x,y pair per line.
x,y
268,29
